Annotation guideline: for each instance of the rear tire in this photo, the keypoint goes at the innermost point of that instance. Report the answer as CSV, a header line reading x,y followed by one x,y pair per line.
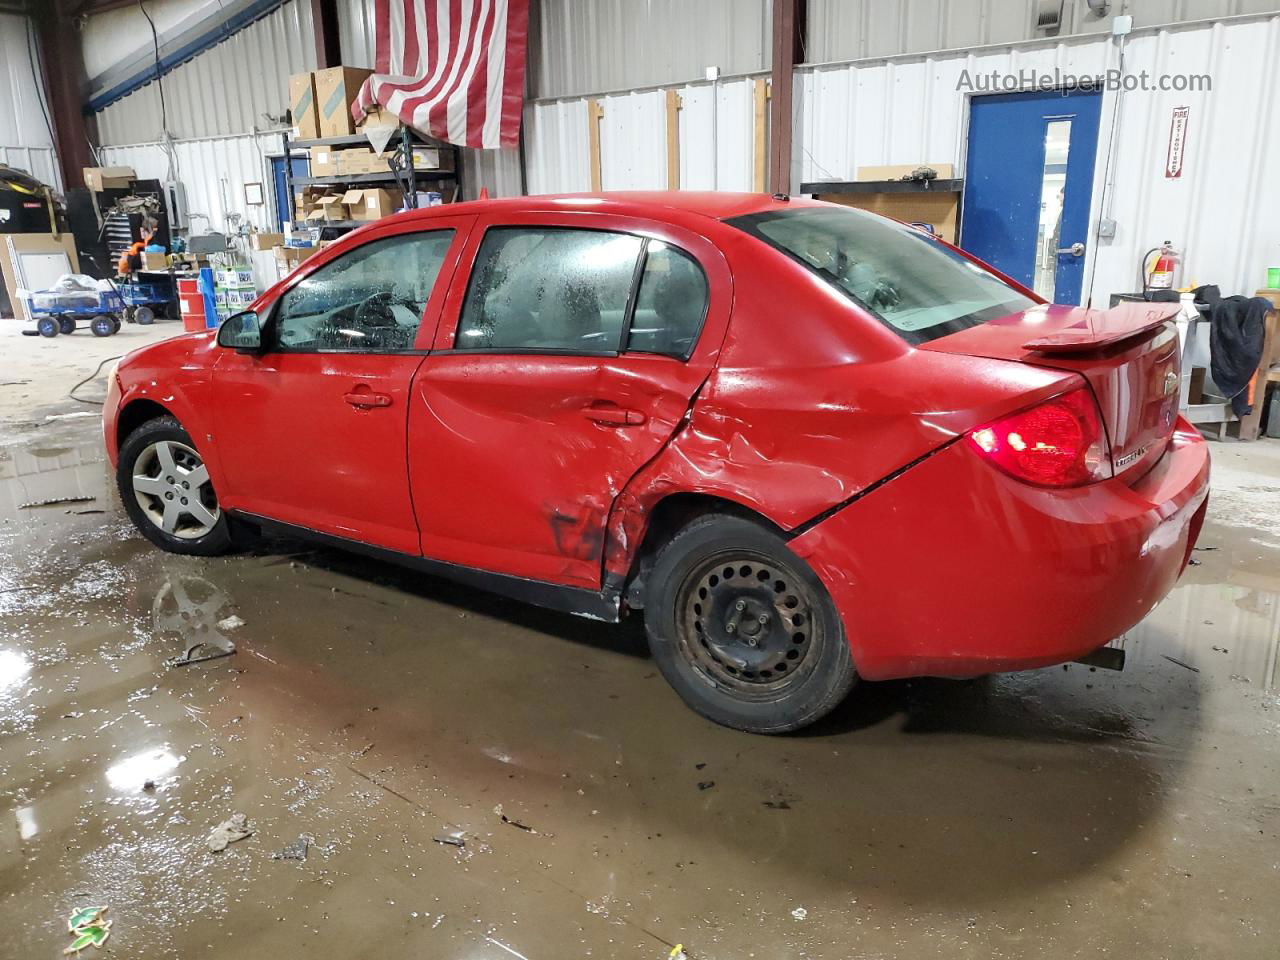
x,y
165,489
66,325
744,630
102,326
47,327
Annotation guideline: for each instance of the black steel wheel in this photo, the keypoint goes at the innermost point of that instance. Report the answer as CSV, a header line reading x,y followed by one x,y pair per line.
x,y
66,325
743,628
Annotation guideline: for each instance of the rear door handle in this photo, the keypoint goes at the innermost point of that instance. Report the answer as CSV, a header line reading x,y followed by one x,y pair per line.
x,y
614,416
1075,250
366,400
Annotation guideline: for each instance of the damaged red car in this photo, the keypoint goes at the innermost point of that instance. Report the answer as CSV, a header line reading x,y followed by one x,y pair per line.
x,y
807,443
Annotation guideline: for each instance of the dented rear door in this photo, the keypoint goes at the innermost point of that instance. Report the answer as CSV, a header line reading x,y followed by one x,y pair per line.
x,y
519,442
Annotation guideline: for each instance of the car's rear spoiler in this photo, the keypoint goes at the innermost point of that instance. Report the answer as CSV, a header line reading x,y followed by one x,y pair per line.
x,y
1096,329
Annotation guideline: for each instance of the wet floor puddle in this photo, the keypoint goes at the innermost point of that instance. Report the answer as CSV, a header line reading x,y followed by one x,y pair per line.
x,y
374,712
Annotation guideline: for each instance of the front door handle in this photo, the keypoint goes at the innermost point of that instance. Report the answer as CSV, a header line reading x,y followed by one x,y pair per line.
x,y
1075,250
614,416
364,401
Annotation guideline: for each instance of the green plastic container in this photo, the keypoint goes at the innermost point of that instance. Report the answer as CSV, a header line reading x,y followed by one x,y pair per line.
x,y
1273,278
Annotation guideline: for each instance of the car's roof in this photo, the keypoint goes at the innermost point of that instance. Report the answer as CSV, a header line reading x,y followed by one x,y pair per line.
x,y
667,205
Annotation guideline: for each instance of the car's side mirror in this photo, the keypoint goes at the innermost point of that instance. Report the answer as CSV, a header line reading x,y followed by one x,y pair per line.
x,y
242,332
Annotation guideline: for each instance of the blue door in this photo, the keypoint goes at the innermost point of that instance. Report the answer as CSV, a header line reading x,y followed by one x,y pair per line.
x,y
301,168
1027,185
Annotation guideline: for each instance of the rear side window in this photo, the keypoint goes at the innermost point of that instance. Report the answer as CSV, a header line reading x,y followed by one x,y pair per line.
x,y
549,289
670,304
914,285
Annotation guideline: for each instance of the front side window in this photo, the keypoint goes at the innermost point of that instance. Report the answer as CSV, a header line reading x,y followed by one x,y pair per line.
x,y
371,300
914,285
549,289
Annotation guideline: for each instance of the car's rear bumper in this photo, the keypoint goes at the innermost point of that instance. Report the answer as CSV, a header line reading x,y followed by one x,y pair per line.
x,y
955,569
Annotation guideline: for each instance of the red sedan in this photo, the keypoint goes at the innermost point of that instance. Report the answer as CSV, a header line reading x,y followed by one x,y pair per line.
x,y
809,443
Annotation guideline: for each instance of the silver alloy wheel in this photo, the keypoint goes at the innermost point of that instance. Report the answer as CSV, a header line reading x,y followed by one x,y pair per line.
x,y
172,486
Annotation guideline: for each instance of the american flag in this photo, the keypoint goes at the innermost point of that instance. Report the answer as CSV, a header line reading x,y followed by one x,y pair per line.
x,y
451,68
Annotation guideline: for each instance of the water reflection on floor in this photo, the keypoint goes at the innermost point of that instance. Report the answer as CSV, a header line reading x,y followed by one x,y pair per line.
x,y
1055,813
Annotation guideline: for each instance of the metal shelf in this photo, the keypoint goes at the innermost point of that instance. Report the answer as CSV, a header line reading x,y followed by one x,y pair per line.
x,y
360,139
371,178
401,173
883,186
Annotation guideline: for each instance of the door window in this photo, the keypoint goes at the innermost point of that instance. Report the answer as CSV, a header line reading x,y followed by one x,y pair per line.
x,y
370,300
670,304
549,289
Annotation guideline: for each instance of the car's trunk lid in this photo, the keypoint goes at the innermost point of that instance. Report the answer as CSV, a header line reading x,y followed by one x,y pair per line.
x,y
1128,354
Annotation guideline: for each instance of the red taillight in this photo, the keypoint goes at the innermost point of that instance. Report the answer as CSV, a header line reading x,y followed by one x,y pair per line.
x,y
1058,443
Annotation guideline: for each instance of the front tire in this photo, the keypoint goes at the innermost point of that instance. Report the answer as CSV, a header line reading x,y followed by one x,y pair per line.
x,y
744,630
165,488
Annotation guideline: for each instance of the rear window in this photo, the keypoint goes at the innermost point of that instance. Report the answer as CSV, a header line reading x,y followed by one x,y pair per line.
x,y
913,284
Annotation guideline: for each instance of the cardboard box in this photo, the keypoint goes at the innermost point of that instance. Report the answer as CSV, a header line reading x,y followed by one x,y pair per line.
x,y
370,204
98,179
155,261
379,116
290,257
302,106
336,90
324,162
328,209
266,241
432,158
355,160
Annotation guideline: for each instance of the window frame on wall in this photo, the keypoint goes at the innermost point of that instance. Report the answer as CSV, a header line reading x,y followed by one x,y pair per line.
x,y
451,232
639,271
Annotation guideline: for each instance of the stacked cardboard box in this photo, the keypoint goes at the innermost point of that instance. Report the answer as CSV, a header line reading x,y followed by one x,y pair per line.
x,y
370,204
320,101
234,290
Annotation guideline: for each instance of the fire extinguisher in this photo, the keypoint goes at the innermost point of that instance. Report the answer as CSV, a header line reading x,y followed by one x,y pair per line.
x,y
1162,275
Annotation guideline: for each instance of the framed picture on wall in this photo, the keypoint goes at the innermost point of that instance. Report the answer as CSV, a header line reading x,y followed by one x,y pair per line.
x,y
253,194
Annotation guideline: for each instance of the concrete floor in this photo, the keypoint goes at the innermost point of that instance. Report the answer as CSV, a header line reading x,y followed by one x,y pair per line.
x,y
1058,813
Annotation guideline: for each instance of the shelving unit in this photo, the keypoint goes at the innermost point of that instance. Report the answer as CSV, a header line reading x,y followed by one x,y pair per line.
x,y
400,168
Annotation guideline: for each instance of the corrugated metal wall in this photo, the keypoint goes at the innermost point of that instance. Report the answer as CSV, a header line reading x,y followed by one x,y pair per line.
x,y
355,32
214,170
858,29
239,86
717,128
25,142
591,46
1220,211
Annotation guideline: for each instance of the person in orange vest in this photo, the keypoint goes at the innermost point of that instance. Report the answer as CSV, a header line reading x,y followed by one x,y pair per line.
x,y
129,259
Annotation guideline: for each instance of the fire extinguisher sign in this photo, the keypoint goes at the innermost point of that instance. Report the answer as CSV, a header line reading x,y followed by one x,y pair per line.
x,y
1177,143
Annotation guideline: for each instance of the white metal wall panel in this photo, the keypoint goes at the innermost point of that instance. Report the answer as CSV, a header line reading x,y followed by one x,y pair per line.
x,y
24,136
1219,211
557,151
594,46
717,140
860,29
498,171
633,139
239,86
355,32
214,171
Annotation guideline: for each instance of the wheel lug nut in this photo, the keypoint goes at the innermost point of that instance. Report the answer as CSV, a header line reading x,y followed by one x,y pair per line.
x,y
185,485
732,628
168,496
763,618
740,605
184,501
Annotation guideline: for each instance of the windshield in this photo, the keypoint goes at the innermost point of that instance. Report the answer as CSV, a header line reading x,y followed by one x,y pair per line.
x,y
913,284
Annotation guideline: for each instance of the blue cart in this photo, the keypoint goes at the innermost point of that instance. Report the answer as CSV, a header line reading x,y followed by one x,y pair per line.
x,y
103,317
144,300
